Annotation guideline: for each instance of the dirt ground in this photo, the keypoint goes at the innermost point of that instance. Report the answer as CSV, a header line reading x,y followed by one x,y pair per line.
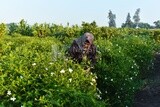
x,y
149,96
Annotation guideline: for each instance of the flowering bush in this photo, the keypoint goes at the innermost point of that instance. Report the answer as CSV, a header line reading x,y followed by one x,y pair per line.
x,y
35,72
30,77
123,61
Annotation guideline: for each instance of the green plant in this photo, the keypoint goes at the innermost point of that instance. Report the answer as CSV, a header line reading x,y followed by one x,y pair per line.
x,y
29,77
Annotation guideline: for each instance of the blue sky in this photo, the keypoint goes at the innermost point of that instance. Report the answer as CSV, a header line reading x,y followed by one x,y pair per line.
x,y
76,11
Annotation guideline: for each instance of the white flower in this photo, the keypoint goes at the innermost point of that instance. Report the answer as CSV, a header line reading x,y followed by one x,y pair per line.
x,y
66,59
34,64
21,76
96,77
70,80
62,71
13,98
111,79
9,92
46,69
93,80
70,70
50,63
91,83
99,96
52,73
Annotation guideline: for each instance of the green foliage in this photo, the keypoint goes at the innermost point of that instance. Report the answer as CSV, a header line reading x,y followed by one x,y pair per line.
x,y
90,27
21,28
123,62
35,72
2,29
2,32
144,25
42,30
29,77
157,24
13,28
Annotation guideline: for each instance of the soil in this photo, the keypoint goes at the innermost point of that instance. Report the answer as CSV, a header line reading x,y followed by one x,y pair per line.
x,y
149,96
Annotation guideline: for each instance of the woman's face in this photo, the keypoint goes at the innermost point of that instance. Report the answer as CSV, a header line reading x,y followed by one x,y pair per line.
x,y
86,46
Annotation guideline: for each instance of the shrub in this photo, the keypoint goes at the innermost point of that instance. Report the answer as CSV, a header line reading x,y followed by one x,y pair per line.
x,y
29,77
123,61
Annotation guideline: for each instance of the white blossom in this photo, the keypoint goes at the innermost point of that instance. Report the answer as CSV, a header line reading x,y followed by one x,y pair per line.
x,y
99,96
50,63
91,83
21,76
9,92
70,70
62,71
34,64
111,79
52,73
46,69
70,80
13,98
93,80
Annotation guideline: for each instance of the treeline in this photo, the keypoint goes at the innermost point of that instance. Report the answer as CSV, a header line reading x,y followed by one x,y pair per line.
x,y
62,32
136,23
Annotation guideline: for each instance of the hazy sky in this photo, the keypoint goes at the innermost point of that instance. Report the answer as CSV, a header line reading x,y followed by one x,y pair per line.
x,y
76,11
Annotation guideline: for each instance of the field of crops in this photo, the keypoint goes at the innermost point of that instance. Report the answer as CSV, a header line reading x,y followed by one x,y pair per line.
x,y
35,72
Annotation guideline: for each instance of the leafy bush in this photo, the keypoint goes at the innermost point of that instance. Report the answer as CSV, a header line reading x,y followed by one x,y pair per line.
x,y
35,72
123,61
29,77
2,32
2,29
140,49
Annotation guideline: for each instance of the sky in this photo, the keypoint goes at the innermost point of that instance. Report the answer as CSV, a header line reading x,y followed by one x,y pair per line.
x,y
76,11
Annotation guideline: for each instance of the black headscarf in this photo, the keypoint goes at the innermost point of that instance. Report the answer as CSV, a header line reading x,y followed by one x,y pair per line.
x,y
77,48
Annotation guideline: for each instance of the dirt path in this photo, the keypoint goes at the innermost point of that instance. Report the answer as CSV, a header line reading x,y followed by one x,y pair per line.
x,y
149,96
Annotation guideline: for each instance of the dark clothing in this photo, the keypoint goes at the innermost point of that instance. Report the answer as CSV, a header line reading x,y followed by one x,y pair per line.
x,y
77,53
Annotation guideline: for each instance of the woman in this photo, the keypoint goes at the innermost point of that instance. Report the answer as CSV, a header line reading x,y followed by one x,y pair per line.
x,y
83,49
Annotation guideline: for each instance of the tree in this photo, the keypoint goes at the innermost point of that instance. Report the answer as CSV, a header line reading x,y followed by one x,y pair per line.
x,y
24,28
128,22
157,24
13,28
144,25
112,18
41,30
136,17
